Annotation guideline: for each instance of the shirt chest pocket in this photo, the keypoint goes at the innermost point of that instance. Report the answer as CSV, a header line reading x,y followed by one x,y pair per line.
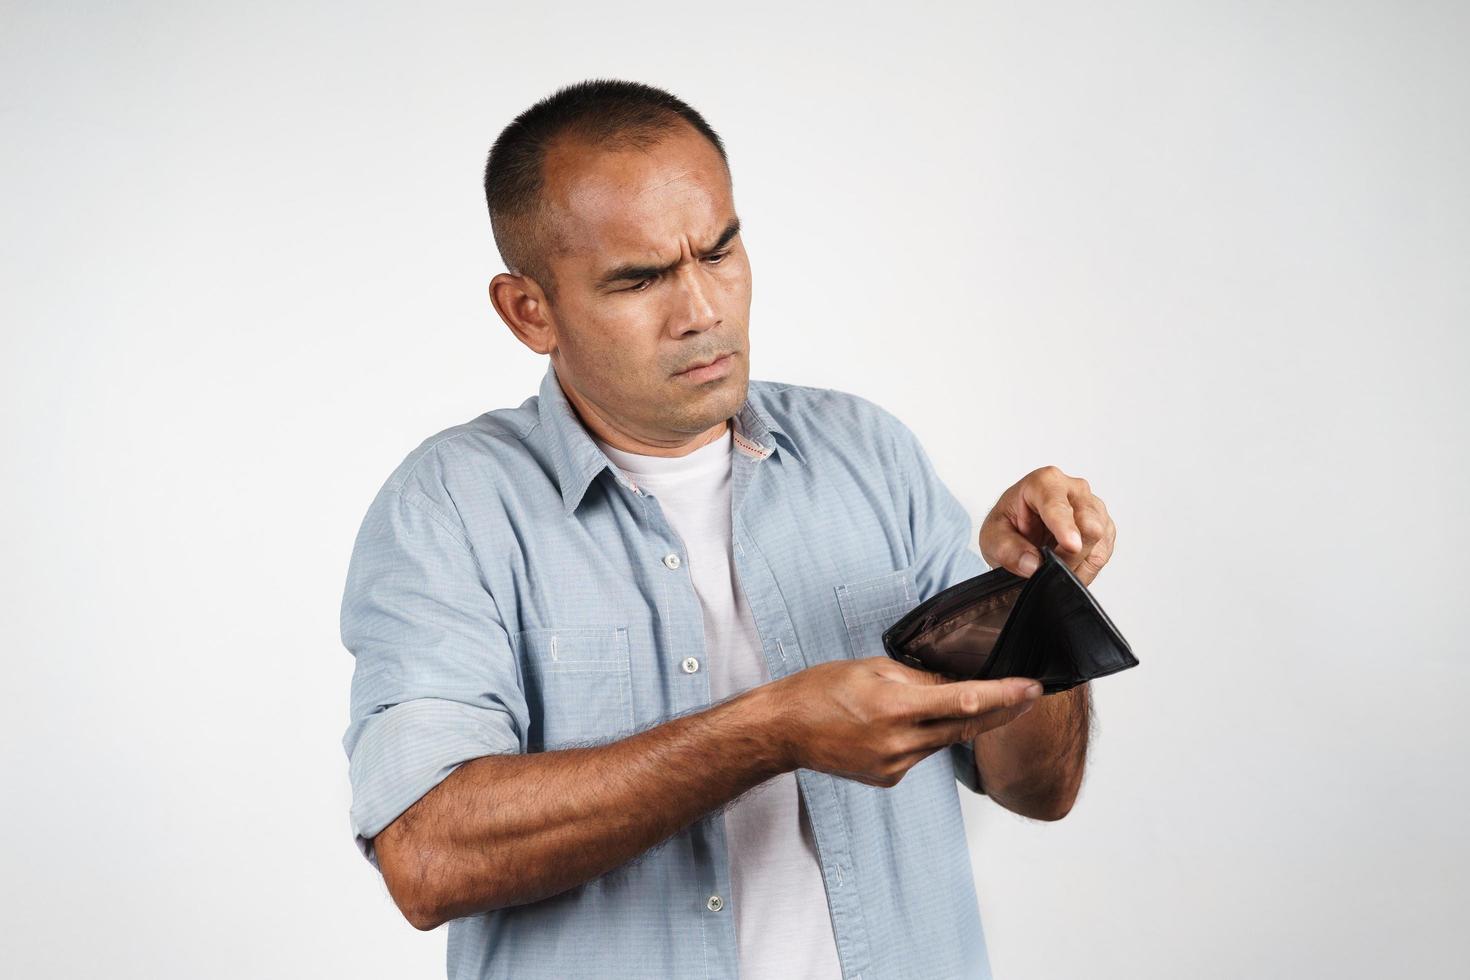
x,y
578,685
871,605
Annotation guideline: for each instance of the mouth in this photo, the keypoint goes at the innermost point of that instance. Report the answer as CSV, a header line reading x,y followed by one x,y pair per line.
x,y
712,368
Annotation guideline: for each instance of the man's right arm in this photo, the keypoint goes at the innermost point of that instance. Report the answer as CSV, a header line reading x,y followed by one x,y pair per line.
x,y
509,829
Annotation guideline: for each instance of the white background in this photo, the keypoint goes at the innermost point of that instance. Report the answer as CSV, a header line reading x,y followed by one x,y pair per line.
x,y
1213,257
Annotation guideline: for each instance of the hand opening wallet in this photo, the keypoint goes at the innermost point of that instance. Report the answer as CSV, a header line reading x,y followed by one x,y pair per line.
x,y
998,624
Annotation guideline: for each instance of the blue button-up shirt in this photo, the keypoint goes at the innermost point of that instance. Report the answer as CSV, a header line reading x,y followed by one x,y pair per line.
x,y
510,590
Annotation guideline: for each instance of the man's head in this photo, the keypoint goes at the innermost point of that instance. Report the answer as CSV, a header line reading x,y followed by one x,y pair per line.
x,y
612,206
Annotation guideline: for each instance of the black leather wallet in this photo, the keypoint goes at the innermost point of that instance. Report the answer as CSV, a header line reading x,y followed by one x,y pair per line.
x,y
998,624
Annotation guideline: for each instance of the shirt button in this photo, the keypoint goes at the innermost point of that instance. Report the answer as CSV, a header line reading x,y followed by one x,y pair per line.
x,y
690,665
671,560
715,903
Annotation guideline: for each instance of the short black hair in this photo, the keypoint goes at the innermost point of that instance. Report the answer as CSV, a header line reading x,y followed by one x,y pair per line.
x,y
604,112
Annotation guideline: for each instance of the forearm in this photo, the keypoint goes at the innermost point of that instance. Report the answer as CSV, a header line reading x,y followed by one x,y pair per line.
x,y
1034,764
509,829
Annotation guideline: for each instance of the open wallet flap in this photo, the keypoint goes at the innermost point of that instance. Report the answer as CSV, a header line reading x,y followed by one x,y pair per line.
x,y
998,624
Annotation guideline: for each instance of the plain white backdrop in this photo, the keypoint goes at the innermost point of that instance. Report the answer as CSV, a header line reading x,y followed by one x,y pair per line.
x,y
1215,258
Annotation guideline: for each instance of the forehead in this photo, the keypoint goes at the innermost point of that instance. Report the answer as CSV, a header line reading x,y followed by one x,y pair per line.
x,y
631,203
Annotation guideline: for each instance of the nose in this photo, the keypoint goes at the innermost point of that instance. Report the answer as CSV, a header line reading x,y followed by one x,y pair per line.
x,y
694,306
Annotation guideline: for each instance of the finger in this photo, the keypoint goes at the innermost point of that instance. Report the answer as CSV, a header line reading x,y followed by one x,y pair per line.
x,y
1090,516
1098,556
1054,506
1012,550
1011,531
905,763
965,699
1035,512
939,732
1092,520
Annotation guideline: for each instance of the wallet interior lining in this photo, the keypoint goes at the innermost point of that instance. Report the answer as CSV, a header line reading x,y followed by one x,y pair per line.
x,y
970,633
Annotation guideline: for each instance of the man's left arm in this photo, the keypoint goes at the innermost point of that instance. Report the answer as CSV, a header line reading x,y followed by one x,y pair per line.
x,y
1034,764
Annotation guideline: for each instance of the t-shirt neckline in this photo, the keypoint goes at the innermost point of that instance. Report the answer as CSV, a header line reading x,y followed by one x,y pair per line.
x,y
705,457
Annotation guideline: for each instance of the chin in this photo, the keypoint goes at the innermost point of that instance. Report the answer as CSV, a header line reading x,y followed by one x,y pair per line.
x,y
732,394
716,403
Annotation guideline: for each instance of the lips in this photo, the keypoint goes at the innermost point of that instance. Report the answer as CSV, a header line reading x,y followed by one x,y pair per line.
x,y
707,363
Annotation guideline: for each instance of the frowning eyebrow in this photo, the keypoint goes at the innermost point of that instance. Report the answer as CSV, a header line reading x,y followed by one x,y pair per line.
x,y
633,272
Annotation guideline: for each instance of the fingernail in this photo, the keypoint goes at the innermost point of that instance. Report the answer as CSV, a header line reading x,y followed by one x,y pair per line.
x,y
1033,692
1029,563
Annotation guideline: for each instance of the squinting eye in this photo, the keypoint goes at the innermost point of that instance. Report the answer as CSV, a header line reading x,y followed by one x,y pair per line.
x,y
641,287
715,258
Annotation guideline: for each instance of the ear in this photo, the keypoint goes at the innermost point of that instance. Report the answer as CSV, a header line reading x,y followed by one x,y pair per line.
x,y
521,303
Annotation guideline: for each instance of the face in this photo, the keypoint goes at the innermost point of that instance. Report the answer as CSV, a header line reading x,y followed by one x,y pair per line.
x,y
651,278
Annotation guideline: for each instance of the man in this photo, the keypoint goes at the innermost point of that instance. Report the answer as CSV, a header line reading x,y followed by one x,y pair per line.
x,y
620,705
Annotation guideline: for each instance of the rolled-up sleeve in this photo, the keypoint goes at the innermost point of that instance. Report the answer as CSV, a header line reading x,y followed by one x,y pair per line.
x,y
943,555
436,681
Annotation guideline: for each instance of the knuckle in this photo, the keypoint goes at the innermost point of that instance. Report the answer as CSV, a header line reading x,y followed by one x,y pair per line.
x,y
900,714
890,711
887,751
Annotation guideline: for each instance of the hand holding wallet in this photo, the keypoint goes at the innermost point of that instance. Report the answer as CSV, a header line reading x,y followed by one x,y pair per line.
x,y
998,624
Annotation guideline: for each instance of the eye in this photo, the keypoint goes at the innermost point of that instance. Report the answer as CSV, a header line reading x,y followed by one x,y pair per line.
x,y
715,258
642,286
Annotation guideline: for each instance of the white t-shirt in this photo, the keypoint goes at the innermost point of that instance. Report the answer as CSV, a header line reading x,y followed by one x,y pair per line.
x,y
782,921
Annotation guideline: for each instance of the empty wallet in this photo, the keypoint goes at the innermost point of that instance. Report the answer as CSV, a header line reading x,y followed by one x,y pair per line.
x,y
998,624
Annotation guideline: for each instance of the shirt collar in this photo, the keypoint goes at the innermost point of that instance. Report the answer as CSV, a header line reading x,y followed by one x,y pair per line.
x,y
577,459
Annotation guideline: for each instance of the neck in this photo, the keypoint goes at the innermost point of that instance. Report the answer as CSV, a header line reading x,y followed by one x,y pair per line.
x,y
603,429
